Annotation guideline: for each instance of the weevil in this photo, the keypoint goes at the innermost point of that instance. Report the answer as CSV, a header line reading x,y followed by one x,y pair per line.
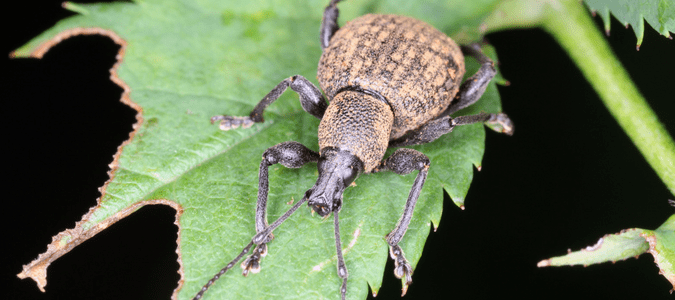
x,y
392,81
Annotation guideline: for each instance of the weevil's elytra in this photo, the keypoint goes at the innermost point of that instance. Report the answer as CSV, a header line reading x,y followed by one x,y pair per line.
x,y
392,81
415,67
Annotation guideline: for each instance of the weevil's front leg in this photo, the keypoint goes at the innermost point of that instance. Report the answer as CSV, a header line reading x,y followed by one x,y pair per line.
x,y
311,99
402,162
257,239
290,155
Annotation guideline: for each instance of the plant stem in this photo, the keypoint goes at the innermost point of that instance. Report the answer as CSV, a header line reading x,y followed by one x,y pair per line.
x,y
569,23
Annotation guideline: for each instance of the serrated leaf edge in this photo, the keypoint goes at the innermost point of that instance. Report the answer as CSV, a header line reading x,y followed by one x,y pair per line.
x,y
638,28
549,262
650,237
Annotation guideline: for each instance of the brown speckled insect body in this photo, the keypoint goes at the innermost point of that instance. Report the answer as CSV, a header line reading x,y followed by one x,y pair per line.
x,y
391,81
415,67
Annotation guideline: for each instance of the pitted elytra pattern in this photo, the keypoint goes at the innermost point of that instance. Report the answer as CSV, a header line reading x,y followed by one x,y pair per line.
x,y
417,68
392,81
359,123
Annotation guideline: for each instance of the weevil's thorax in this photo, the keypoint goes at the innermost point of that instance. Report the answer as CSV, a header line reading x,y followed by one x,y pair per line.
x,y
416,68
359,124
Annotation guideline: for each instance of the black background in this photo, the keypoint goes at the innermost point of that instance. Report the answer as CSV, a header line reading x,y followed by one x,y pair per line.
x,y
568,176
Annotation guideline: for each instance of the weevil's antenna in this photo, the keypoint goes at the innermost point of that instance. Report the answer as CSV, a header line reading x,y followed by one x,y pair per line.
x,y
222,271
341,266
261,236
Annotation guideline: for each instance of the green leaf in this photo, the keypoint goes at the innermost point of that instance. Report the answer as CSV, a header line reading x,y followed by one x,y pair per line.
x,y
662,247
625,244
611,247
660,14
182,62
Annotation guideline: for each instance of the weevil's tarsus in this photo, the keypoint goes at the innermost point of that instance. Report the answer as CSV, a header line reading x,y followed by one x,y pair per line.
x,y
252,263
500,123
402,269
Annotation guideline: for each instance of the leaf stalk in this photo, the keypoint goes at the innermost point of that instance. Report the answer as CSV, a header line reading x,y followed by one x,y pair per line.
x,y
570,24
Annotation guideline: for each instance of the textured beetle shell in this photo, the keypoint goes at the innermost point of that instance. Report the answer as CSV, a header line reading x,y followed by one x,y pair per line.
x,y
415,67
358,123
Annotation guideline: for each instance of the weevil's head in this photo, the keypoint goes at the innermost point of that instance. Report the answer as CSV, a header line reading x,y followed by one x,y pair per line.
x,y
337,170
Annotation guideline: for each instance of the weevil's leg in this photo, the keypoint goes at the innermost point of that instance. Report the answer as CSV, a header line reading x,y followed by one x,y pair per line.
x,y
474,87
434,129
257,239
290,155
341,266
498,122
311,99
402,162
329,23
426,133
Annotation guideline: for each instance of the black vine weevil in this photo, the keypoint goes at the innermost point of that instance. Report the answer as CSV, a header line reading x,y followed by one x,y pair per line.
x,y
392,81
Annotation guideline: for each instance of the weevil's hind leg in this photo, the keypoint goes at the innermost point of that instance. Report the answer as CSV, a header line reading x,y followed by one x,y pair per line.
x,y
341,266
498,122
474,87
402,162
434,129
311,99
329,23
290,155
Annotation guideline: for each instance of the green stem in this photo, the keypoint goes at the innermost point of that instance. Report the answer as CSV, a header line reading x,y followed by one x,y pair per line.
x,y
569,23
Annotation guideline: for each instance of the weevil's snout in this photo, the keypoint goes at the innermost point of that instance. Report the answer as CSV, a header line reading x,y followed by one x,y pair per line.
x,y
337,170
320,209
325,197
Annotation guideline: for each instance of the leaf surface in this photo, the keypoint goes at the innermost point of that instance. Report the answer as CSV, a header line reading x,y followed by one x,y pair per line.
x,y
660,14
182,62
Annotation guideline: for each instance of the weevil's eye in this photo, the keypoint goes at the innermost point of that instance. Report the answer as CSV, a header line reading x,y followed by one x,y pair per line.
x,y
308,193
351,169
348,175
